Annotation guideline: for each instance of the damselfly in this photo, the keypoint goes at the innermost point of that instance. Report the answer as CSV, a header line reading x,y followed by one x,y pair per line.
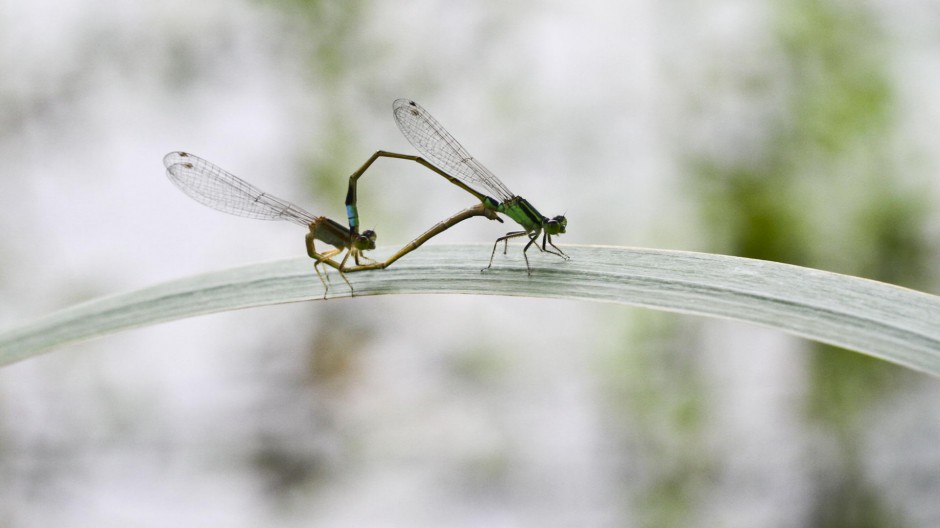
x,y
217,188
445,156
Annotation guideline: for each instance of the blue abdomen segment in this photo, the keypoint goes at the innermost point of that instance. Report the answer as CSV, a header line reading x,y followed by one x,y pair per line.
x,y
353,213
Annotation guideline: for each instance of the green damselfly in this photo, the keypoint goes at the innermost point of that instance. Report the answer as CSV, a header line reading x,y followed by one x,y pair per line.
x,y
445,156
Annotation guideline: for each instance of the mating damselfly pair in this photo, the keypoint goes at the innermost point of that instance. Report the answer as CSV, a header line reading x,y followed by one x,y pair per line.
x,y
214,187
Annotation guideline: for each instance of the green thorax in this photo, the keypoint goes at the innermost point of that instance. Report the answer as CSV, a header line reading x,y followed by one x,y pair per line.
x,y
520,210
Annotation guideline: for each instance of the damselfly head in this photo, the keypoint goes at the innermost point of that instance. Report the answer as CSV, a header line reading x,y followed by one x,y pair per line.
x,y
366,240
556,225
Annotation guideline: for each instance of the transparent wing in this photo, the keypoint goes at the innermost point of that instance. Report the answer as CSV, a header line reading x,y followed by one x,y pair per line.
x,y
442,150
212,186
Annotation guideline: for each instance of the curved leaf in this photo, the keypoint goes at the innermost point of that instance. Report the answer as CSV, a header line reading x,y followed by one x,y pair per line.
x,y
895,324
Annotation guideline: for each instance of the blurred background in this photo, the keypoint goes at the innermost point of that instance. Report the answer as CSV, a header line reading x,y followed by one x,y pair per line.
x,y
799,131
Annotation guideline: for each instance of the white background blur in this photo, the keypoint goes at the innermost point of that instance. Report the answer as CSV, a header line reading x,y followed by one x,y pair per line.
x,y
457,410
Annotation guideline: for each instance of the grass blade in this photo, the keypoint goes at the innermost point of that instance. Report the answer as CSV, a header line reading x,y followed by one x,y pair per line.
x,y
885,321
